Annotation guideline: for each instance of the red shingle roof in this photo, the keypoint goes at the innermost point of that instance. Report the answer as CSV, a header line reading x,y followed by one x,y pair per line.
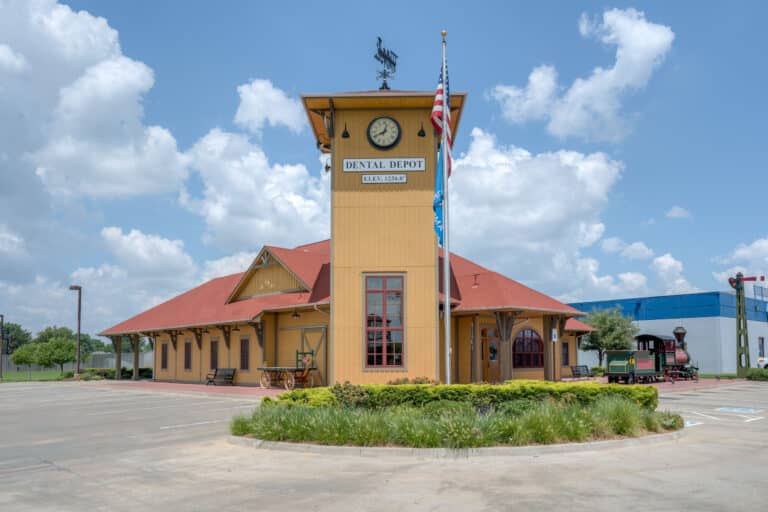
x,y
574,325
478,289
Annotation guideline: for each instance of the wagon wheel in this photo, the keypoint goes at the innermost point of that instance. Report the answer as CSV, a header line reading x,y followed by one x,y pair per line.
x,y
265,380
289,380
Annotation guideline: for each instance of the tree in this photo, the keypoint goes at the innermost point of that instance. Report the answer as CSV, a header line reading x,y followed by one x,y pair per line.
x,y
51,332
614,331
16,336
58,351
25,355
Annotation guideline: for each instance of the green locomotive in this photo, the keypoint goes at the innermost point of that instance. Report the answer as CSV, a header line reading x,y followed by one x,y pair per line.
x,y
657,357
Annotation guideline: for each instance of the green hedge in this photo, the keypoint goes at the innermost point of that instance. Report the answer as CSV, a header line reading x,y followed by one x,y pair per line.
x,y
377,396
757,374
109,373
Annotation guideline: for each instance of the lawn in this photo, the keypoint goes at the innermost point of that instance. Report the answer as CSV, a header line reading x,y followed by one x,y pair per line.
x,y
38,375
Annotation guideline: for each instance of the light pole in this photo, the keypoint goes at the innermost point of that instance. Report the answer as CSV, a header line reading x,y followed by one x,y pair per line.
x,y
79,302
2,342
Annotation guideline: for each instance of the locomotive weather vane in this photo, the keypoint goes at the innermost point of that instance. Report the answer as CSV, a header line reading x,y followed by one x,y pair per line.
x,y
388,60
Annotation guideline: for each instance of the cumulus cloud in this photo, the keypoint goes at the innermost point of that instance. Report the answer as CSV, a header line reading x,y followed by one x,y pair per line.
x,y
751,259
10,60
633,251
11,244
591,107
248,201
529,215
670,274
262,103
678,212
235,263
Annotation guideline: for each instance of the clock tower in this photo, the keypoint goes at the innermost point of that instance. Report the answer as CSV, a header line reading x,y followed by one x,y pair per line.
x,y
384,257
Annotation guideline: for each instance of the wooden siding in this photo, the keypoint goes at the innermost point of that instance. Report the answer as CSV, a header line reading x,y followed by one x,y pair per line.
x,y
269,279
383,229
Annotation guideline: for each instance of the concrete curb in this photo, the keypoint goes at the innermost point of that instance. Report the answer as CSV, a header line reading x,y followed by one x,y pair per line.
x,y
447,453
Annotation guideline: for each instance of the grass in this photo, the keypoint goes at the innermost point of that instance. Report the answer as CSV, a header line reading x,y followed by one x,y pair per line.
x,y
454,424
35,375
716,375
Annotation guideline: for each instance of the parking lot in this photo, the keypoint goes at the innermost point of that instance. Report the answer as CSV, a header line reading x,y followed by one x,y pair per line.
x,y
99,446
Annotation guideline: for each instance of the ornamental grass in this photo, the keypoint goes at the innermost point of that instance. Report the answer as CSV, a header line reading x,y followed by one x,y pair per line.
x,y
455,424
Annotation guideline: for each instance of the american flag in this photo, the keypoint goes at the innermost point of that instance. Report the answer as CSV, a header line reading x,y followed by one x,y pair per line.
x,y
443,94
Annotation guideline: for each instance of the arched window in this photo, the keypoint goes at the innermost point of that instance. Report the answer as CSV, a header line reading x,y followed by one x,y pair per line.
x,y
528,350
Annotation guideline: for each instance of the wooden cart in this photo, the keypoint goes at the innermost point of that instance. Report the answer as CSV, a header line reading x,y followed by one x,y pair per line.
x,y
288,376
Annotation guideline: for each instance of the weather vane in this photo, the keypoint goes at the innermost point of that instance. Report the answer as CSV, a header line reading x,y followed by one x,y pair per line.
x,y
388,60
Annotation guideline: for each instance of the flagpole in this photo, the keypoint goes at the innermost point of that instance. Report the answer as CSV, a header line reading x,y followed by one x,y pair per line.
x,y
446,230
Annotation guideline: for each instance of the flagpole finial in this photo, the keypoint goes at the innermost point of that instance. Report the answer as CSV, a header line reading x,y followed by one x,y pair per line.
x,y
444,33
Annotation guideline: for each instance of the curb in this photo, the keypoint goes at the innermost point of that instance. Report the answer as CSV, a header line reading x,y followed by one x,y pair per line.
x,y
448,453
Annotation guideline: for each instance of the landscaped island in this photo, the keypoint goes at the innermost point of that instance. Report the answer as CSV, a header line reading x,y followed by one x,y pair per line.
x,y
458,416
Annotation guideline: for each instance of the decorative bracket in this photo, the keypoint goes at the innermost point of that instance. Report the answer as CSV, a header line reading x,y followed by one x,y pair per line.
x,y
198,337
226,332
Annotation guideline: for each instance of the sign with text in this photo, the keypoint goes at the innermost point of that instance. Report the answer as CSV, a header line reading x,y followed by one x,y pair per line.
x,y
383,164
374,179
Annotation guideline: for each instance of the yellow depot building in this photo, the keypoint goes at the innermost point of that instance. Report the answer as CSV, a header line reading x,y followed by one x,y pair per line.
x,y
364,306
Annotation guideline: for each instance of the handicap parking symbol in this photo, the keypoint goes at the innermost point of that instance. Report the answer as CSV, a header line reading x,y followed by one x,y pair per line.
x,y
742,410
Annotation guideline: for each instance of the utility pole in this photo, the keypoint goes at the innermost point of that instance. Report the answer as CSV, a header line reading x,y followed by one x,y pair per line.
x,y
2,343
79,290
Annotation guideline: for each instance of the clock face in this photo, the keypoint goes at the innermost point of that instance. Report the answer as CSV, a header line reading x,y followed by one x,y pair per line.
x,y
384,132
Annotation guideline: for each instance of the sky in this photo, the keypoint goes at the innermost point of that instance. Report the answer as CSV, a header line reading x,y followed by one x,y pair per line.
x,y
606,150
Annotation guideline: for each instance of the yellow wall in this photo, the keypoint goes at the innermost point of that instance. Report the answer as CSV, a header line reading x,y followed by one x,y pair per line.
x,y
269,279
383,229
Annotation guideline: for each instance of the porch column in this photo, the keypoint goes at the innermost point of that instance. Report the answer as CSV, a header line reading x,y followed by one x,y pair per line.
x,y
135,339
477,361
117,344
505,322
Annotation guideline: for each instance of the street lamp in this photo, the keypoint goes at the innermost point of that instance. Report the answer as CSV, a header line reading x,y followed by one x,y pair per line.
x,y
79,302
2,340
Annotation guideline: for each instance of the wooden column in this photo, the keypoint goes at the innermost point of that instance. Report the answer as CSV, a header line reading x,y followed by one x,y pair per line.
x,y
505,322
135,339
477,357
117,344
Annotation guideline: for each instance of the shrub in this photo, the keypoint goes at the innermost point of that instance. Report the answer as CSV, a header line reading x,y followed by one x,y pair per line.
x,y
375,396
757,374
598,371
415,380
670,421
69,374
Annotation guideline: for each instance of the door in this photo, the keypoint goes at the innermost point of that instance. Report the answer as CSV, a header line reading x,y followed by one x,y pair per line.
x,y
490,345
313,338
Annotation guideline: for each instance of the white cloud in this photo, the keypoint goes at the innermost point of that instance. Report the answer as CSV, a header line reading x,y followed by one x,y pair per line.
x,y
531,103
591,107
750,259
11,61
613,244
148,254
11,244
637,251
262,103
248,201
678,212
233,264
503,216
97,145
670,274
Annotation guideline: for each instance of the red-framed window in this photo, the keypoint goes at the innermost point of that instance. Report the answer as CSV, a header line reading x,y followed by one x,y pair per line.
x,y
528,350
384,332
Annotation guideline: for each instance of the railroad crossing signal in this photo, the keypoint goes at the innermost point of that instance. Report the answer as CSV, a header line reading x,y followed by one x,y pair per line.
x,y
742,334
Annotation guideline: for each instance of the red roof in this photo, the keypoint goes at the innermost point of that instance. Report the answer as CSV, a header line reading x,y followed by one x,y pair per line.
x,y
574,325
477,289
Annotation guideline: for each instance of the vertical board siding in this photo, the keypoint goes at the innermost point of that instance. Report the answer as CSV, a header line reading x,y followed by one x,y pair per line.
x,y
269,279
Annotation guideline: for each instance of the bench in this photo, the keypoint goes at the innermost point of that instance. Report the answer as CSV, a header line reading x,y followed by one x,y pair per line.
x,y
581,371
221,376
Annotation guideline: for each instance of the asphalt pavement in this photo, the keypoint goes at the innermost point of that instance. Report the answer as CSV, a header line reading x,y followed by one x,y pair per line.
x,y
93,446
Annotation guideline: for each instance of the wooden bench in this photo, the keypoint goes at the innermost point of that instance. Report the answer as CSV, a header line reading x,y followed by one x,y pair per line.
x,y
221,376
581,371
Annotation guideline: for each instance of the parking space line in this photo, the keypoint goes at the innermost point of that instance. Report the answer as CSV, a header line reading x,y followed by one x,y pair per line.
x,y
754,419
705,415
185,425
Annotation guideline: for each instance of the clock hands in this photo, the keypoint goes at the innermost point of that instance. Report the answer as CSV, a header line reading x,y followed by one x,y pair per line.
x,y
382,132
